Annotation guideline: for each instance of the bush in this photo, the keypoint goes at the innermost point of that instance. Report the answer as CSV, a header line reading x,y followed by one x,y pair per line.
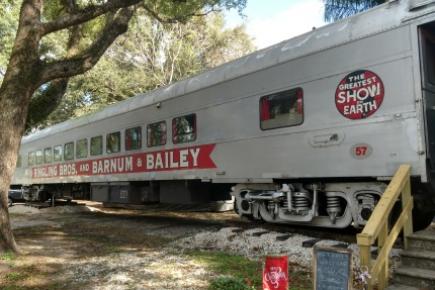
x,y
228,283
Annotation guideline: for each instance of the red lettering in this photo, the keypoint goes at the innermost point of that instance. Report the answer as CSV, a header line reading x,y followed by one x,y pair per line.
x,y
198,157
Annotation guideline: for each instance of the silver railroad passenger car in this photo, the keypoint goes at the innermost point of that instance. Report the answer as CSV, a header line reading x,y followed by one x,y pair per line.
x,y
307,131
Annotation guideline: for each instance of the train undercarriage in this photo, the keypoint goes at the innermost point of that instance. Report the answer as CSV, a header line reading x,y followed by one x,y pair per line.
x,y
330,205
320,204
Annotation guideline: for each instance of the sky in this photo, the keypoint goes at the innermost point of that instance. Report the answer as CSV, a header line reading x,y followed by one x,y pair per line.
x,y
272,21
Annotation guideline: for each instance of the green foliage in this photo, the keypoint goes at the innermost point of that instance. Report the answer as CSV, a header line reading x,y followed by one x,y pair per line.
x,y
15,276
237,270
110,82
339,9
183,10
9,12
229,283
151,55
242,270
7,256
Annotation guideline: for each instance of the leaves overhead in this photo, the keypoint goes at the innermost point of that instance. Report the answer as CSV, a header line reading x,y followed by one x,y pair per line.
x,y
151,55
174,18
8,26
339,9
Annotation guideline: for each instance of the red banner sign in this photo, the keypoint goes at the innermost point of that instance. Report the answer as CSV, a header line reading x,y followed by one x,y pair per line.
x,y
275,273
197,157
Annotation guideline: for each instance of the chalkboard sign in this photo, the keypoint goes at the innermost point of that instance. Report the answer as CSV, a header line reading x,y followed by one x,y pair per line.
x,y
332,268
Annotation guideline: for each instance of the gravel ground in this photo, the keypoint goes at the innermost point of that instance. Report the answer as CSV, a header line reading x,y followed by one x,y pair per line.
x,y
94,248
146,270
249,244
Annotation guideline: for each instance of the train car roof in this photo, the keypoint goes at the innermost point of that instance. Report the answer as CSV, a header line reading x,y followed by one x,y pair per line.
x,y
375,20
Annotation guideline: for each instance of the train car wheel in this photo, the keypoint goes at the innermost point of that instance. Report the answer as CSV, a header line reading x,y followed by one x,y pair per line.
x,y
424,205
421,217
44,196
423,212
421,220
235,207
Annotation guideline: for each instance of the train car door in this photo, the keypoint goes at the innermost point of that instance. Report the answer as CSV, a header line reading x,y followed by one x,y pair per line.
x,y
427,53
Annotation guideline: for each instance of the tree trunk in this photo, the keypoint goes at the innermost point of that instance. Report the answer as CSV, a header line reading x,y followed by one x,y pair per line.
x,y
14,98
25,73
19,83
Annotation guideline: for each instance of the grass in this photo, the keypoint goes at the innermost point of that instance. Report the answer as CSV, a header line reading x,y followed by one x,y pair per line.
x,y
38,271
15,276
13,288
234,266
229,283
239,273
7,256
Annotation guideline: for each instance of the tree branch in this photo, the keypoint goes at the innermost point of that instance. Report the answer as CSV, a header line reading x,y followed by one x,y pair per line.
x,y
88,13
32,10
81,63
45,102
181,18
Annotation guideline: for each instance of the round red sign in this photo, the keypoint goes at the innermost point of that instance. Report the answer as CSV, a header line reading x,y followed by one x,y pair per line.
x,y
359,94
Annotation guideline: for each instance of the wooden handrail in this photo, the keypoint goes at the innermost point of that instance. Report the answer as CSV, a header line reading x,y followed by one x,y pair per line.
x,y
377,227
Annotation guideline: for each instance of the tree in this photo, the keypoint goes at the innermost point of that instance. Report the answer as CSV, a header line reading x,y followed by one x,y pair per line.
x,y
339,9
29,68
150,55
8,25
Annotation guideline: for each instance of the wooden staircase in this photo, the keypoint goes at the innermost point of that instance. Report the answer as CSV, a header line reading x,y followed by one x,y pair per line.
x,y
417,270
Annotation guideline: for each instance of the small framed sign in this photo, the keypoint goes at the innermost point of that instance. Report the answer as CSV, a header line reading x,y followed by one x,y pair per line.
x,y
332,268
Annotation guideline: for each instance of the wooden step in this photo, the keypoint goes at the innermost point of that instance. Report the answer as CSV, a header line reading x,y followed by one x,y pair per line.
x,y
420,278
423,240
421,259
401,287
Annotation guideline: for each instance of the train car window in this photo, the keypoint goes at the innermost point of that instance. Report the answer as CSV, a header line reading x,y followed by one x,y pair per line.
x,y
68,151
113,142
133,138
48,155
39,157
57,153
82,148
156,134
18,161
31,158
96,145
282,109
184,129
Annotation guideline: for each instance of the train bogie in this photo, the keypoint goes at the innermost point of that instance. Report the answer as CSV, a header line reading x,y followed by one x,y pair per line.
x,y
334,205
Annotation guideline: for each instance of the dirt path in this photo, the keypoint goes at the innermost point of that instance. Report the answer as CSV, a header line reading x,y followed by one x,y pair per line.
x,y
94,250
89,247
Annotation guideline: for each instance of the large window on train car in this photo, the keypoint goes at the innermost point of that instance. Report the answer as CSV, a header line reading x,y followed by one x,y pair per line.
x,y
31,158
282,109
57,153
82,148
156,134
39,157
133,138
68,151
113,142
48,155
96,145
184,129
